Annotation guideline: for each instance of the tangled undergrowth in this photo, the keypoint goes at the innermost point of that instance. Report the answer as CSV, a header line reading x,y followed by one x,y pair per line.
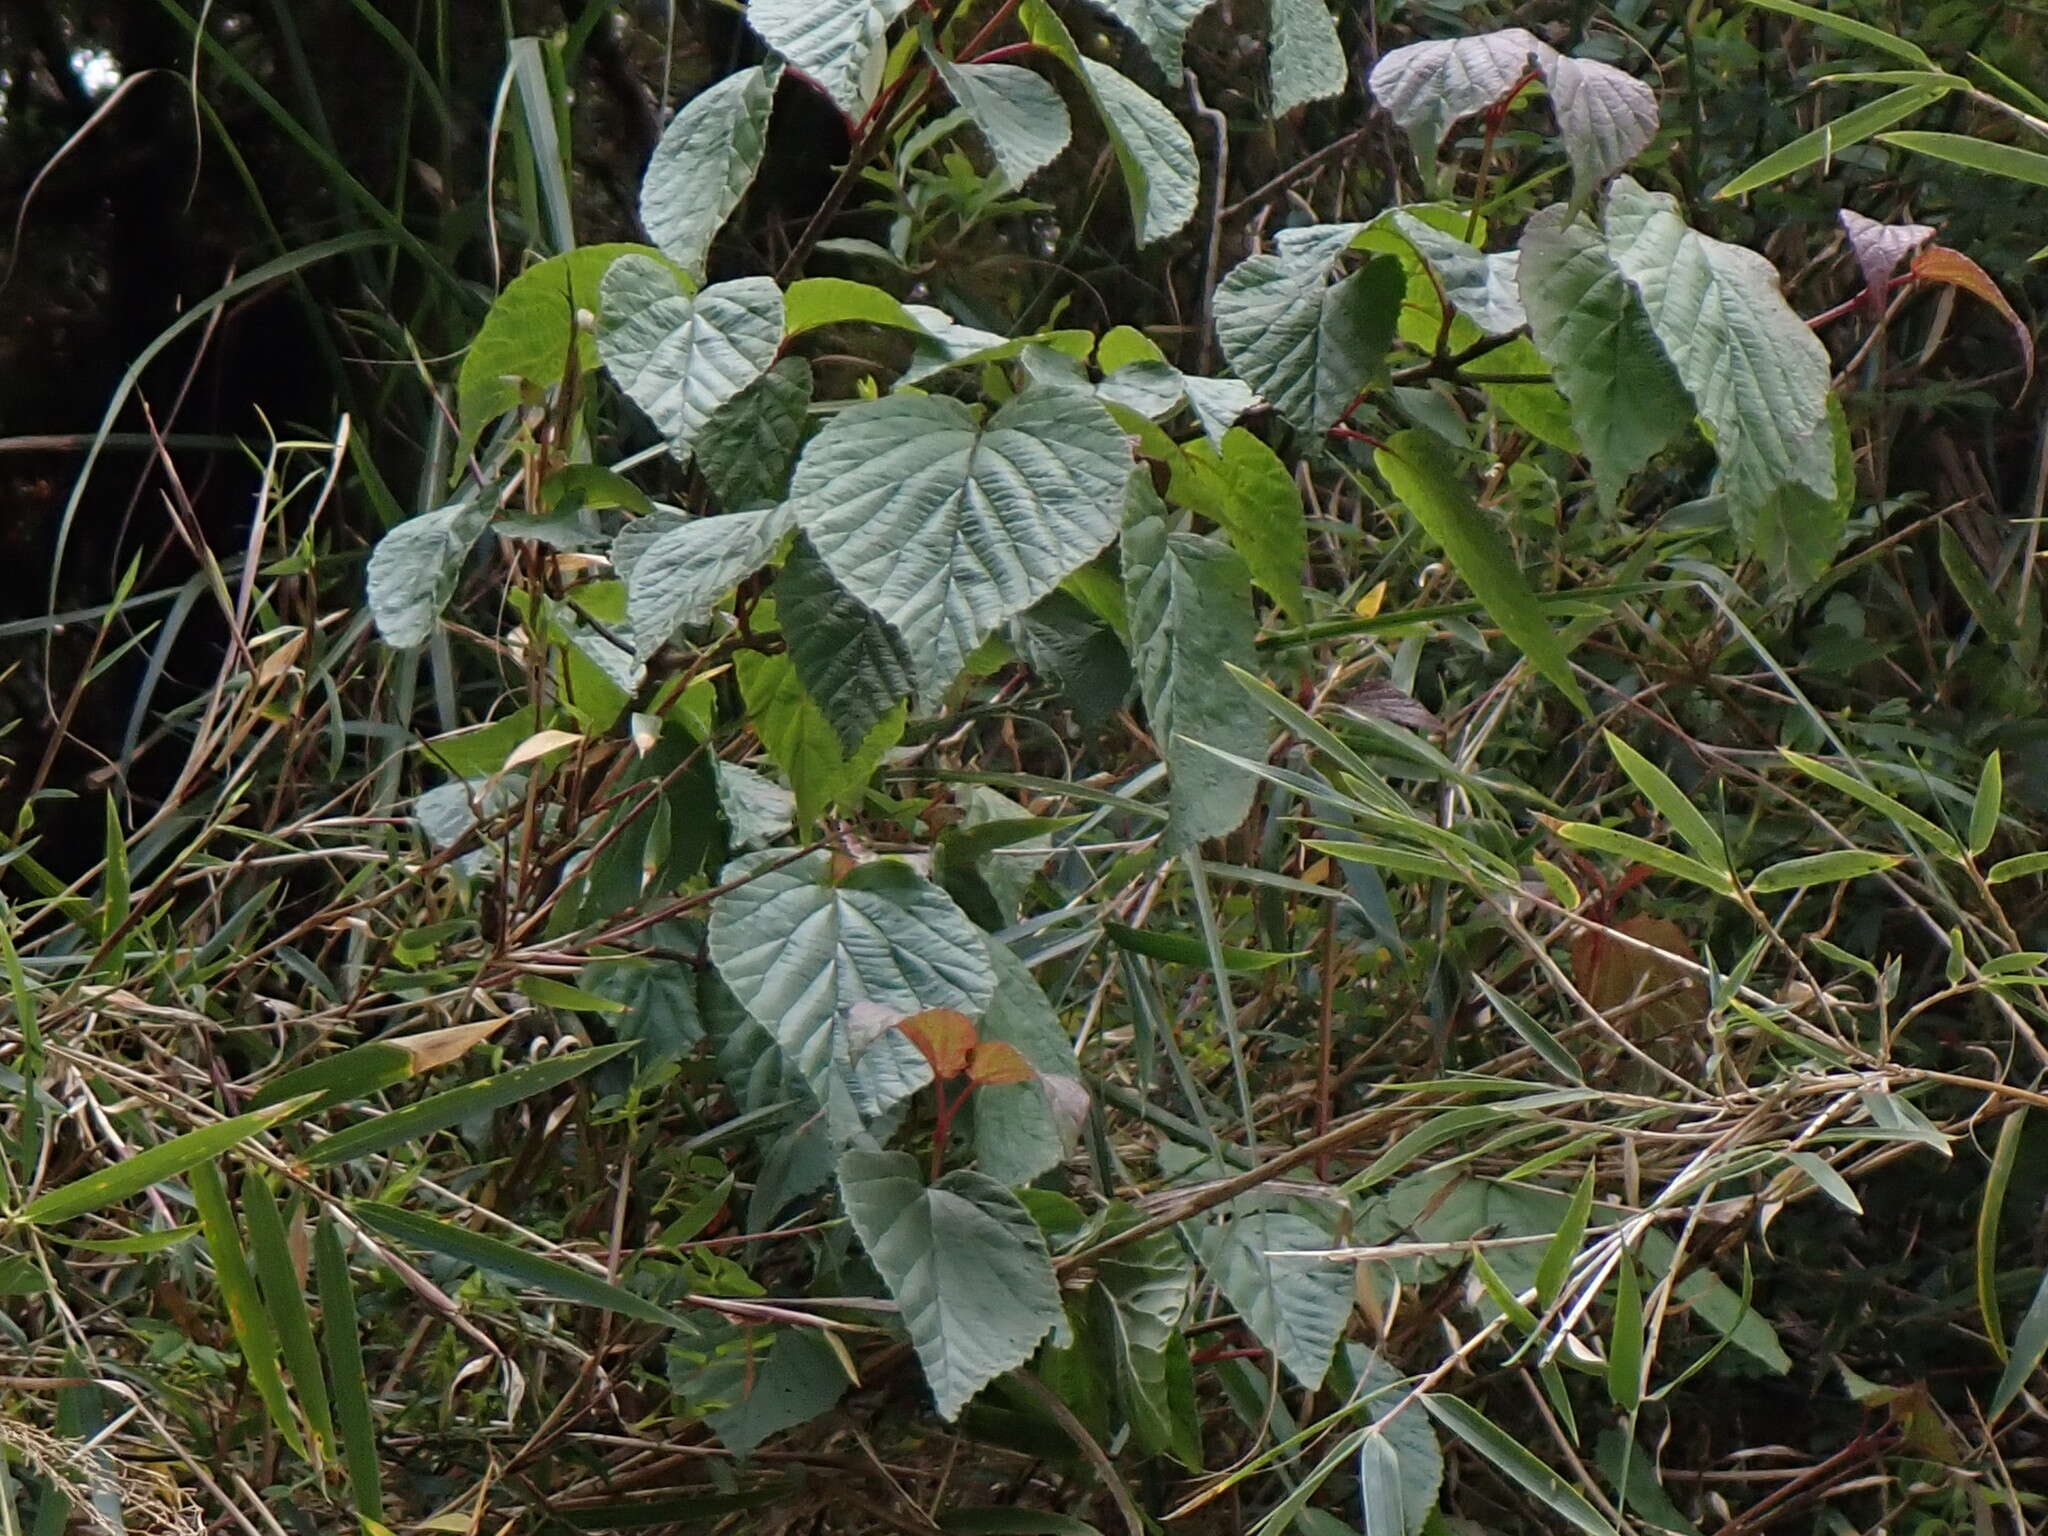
x,y
1291,780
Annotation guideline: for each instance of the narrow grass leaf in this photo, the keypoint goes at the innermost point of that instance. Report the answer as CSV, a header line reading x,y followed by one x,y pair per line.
x,y
1671,803
1989,1212
1852,127
132,1175
1905,819
2017,868
1625,1339
341,1340
1512,1461
2028,1345
458,1104
507,1262
1847,26
1642,851
284,1298
1975,154
1564,1244
254,1336
1985,807
1836,868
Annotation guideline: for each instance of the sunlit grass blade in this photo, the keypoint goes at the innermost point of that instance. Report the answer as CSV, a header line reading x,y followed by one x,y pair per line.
x,y
165,1161
1847,26
1975,154
1671,803
1639,850
1836,868
284,1297
1907,820
254,1336
341,1341
1852,127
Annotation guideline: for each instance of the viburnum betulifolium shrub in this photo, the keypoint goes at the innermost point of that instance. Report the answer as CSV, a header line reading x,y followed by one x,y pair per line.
x,y
1288,777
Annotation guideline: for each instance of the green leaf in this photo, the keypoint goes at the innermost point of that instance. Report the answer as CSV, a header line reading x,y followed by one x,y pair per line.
x,y
747,447
1837,134
1016,1137
1908,821
1564,1244
166,1160
471,1100
1626,402
1259,505
285,1300
551,1276
529,336
1305,57
1671,802
1018,113
1757,375
835,44
852,665
341,1340
681,356
798,950
2029,1344
1152,149
1160,25
1295,1306
813,302
1625,1338
1893,43
1186,949
1836,868
1143,1290
414,568
1990,1212
1306,344
803,1378
1418,469
945,526
1976,590
1975,154
2017,868
1511,1460
1484,289
1400,1467
1642,851
550,993
821,770
1191,618
254,1336
706,160
965,1262
680,578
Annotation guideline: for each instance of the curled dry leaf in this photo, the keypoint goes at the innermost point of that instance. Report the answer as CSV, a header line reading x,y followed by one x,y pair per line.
x,y
438,1047
1939,264
1379,699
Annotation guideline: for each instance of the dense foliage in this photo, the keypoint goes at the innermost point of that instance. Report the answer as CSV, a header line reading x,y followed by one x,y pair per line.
x,y
1128,766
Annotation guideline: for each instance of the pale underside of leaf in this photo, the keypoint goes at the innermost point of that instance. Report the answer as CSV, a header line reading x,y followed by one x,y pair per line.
x,y
1160,25
798,950
1295,1306
680,578
836,44
1303,343
1017,112
1605,116
1306,58
1485,289
679,356
706,160
945,527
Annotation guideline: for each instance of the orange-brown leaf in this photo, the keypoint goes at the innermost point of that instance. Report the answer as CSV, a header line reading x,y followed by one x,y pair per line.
x,y
997,1062
1609,973
1939,264
944,1036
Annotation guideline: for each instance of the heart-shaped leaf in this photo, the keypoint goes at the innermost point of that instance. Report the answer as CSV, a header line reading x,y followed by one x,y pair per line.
x,y
681,356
